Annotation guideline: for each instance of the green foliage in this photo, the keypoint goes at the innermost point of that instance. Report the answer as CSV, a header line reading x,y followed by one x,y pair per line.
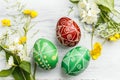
x,y
5,73
74,1
110,27
106,4
25,66
0,48
18,74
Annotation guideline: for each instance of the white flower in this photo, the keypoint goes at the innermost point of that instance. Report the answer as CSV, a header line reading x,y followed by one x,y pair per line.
x,y
3,62
15,48
83,13
13,45
23,56
88,11
82,4
11,61
89,19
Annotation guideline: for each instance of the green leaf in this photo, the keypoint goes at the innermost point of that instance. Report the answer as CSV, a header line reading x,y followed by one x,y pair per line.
x,y
107,3
16,59
5,73
27,75
20,74
17,74
74,1
0,48
7,56
104,9
100,21
25,66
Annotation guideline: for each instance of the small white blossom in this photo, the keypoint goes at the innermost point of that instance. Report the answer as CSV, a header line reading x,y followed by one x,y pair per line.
x,y
12,43
23,56
82,4
88,11
11,61
3,62
83,13
15,48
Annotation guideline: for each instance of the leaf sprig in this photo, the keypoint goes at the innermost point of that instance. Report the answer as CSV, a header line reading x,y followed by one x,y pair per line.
x,y
21,25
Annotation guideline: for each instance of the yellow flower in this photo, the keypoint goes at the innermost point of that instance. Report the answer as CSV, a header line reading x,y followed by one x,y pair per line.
x,y
117,35
22,40
27,12
33,14
6,22
96,52
112,38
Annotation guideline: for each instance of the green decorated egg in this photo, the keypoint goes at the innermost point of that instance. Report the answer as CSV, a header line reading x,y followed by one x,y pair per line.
x,y
76,61
45,54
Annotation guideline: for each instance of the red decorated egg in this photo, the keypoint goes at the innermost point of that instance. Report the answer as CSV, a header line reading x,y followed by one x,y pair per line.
x,y
68,32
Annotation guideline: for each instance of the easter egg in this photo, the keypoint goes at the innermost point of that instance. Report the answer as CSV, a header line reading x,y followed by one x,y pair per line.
x,y
76,61
68,32
45,54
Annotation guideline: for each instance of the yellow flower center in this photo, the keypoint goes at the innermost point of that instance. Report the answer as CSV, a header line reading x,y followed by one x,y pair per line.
x,y
22,40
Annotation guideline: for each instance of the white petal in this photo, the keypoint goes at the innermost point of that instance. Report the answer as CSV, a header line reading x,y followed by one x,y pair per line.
x,y
83,14
3,61
10,61
27,59
81,5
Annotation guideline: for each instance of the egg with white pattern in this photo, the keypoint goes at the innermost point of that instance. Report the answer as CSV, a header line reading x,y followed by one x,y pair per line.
x,y
45,54
76,60
68,32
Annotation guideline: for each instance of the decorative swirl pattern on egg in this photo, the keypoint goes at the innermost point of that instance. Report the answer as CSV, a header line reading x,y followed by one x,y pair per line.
x,y
68,32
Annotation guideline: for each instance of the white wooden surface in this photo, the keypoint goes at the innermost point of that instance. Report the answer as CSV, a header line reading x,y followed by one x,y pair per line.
x,y
107,67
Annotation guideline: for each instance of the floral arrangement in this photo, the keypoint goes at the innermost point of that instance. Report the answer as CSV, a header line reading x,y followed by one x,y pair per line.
x,y
101,16
13,43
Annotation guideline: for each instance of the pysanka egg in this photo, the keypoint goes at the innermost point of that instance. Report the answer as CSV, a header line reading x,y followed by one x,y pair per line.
x,y
76,61
45,54
68,32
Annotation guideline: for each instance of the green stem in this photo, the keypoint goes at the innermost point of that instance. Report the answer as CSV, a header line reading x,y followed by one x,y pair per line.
x,y
31,77
104,42
92,35
25,47
110,20
26,31
15,56
23,74
71,9
103,17
35,68
116,13
19,68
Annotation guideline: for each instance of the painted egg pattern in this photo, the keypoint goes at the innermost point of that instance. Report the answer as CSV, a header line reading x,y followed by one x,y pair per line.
x,y
45,54
76,61
68,32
